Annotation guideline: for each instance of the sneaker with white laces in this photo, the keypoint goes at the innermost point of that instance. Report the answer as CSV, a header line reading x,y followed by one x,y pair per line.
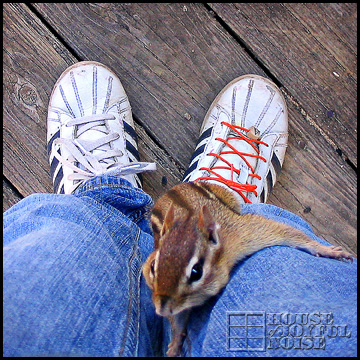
x,y
243,139
91,129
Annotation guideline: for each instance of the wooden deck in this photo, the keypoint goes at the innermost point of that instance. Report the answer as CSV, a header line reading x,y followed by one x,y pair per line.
x,y
173,59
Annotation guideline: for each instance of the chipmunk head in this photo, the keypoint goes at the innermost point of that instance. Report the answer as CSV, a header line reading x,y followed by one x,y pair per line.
x,y
180,272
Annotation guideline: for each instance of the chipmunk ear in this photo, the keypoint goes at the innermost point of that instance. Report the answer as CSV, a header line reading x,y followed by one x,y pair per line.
x,y
168,220
208,225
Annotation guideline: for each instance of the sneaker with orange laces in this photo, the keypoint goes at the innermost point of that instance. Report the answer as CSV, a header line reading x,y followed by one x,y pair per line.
x,y
243,139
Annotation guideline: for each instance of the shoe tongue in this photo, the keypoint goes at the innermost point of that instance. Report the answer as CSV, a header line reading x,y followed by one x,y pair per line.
x,y
237,161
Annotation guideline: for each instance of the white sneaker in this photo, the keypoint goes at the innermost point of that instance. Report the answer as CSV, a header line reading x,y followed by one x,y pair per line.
x,y
91,129
243,139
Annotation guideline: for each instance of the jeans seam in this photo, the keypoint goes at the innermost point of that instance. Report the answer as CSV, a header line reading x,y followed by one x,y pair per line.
x,y
131,297
136,353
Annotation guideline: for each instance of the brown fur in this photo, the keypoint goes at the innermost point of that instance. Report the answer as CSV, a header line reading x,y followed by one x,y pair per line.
x,y
199,221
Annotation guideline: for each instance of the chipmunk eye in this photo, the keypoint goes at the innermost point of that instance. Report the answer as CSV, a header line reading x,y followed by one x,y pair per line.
x,y
152,267
196,272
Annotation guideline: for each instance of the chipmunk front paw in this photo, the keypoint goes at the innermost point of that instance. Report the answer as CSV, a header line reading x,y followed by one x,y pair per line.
x,y
174,349
334,252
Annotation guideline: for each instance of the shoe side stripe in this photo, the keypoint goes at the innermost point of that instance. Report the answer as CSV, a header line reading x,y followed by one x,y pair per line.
x,y
118,107
139,180
66,102
76,92
108,94
132,149
247,100
269,182
58,119
205,135
273,122
53,166
129,129
266,107
189,171
233,102
57,180
94,89
197,152
55,136
276,164
262,196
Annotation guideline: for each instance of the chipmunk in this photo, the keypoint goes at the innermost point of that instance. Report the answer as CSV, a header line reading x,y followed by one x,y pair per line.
x,y
199,236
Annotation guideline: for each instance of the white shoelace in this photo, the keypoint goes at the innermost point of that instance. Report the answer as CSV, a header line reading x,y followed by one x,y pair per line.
x,y
103,162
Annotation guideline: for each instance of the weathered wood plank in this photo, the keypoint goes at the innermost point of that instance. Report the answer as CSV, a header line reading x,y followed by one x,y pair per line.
x,y
10,197
302,47
173,62
167,172
151,47
334,26
312,185
33,60
31,64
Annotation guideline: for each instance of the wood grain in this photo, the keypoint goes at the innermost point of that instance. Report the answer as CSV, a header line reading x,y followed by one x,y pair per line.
x,y
167,172
31,64
172,62
317,185
10,197
311,50
30,71
172,59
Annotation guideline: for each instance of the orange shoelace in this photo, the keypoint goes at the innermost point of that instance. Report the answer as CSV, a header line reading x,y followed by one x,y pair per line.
x,y
239,188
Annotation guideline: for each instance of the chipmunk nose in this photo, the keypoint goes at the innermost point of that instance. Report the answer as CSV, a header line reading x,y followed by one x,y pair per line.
x,y
162,307
163,300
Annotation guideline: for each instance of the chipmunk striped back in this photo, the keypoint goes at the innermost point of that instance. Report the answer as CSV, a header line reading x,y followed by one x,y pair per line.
x,y
189,198
199,236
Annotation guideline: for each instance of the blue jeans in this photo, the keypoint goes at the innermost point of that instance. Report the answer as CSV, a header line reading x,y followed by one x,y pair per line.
x,y
73,286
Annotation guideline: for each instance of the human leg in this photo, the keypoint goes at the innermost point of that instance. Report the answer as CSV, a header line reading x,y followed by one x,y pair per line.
x,y
72,273
305,305
72,283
